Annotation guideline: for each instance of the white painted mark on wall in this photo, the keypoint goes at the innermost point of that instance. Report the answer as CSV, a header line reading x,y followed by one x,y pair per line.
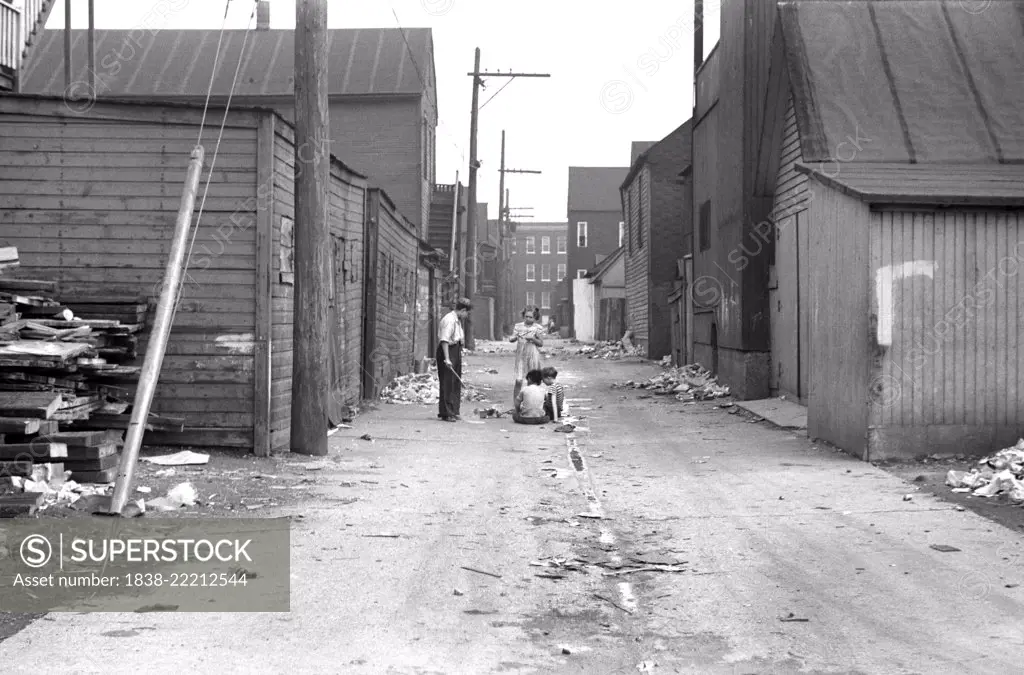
x,y
885,277
241,343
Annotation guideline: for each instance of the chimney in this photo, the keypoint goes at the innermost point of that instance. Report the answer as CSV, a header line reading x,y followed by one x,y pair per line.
x,y
263,15
698,36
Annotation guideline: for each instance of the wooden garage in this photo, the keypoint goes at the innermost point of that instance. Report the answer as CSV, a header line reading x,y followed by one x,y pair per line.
x,y
90,197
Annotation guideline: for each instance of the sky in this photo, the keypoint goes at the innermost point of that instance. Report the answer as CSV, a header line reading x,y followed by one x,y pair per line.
x,y
620,72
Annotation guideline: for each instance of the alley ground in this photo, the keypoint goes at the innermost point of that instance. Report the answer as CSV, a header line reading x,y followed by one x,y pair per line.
x,y
769,525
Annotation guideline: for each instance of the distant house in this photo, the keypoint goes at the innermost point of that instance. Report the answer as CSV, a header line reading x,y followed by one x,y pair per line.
x,y
601,297
638,148
656,202
539,263
895,164
383,97
595,220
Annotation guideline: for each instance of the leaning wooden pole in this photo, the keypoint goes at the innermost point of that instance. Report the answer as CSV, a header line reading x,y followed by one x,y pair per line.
x,y
310,352
173,275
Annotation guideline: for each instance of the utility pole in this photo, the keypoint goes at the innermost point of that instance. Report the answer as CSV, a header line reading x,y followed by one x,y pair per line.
x,y
503,218
471,248
310,331
67,47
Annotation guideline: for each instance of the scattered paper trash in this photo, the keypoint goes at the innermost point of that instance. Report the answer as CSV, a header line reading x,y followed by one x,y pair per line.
x,y
144,490
183,458
944,548
646,666
181,495
164,473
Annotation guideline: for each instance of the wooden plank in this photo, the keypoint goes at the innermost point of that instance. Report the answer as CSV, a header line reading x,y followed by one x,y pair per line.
x,y
23,504
106,476
85,439
103,463
34,405
37,451
263,310
11,425
199,438
97,452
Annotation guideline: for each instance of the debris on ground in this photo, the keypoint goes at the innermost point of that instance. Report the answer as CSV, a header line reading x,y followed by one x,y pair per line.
x,y
423,388
792,617
488,371
566,428
179,496
1002,475
491,412
611,349
183,458
366,437
945,548
688,383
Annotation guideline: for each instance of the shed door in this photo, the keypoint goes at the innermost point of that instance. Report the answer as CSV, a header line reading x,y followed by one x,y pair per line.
x,y
784,294
336,309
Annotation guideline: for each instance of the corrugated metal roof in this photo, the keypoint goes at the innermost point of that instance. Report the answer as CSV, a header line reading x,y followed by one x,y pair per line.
x,y
907,80
595,188
925,184
178,63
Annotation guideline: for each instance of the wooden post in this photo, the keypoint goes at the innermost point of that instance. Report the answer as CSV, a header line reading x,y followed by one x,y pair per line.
x,y
310,353
92,49
67,47
471,256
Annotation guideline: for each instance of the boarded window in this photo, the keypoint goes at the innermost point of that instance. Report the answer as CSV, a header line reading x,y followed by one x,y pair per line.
x,y
705,225
287,251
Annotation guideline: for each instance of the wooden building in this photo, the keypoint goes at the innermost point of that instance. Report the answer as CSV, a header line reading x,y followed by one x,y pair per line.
x,y
896,302
731,327
20,26
382,88
609,284
398,295
657,210
90,199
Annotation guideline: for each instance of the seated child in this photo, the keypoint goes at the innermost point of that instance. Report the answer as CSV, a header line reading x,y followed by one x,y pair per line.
x,y
530,401
554,401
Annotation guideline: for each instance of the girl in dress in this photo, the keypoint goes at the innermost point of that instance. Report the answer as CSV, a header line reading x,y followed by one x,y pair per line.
x,y
528,336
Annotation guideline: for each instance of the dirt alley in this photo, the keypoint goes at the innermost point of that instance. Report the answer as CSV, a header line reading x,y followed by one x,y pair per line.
x,y
794,558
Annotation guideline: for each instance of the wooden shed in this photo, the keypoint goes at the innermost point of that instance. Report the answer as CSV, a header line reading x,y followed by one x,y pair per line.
x,y
918,306
90,197
396,297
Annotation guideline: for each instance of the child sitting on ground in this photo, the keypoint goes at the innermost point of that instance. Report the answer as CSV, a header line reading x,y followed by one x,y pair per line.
x,y
554,401
530,401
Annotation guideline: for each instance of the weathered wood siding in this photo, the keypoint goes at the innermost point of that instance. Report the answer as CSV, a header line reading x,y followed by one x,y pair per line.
x,y
790,297
840,305
90,200
637,258
345,212
392,292
948,372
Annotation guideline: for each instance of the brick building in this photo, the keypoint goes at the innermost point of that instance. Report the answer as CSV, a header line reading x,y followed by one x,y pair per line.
x,y
539,263
595,219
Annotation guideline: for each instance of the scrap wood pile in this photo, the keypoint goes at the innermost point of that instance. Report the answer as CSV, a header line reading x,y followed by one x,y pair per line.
x,y
1002,474
687,383
423,388
65,385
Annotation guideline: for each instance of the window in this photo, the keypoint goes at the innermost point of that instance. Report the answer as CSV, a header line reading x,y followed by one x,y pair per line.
x,y
531,272
545,300
561,271
580,274
545,272
561,245
531,245
514,247
581,234
622,230
545,245
705,225
531,298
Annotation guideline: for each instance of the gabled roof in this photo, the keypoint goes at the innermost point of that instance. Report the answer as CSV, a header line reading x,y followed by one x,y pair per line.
x,y
594,188
907,80
925,184
638,148
680,134
178,63
601,268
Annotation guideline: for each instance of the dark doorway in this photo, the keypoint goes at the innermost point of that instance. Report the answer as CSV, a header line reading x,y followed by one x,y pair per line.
x,y
714,349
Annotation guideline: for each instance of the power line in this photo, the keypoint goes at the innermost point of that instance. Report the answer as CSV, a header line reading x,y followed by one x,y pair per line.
x,y
412,58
